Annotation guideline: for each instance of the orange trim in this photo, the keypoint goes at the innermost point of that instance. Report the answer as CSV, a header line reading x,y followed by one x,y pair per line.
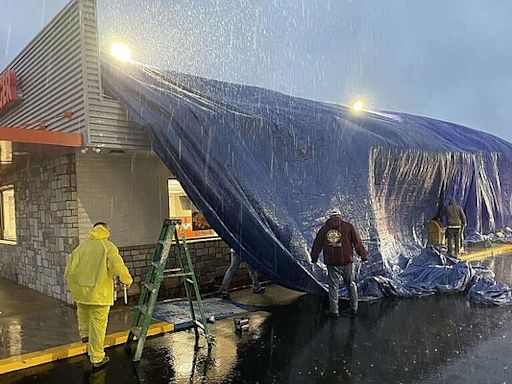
x,y
36,136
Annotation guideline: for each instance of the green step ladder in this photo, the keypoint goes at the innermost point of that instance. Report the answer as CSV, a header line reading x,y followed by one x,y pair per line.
x,y
169,235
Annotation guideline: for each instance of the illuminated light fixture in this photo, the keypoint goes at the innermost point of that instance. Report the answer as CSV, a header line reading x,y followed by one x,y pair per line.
x,y
357,106
121,52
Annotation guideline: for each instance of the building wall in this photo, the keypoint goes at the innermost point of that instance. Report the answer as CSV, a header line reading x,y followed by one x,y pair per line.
x,y
130,192
59,71
50,77
108,123
57,201
127,190
46,226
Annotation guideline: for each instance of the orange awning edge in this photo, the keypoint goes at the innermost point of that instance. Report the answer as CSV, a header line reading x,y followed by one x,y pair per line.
x,y
39,136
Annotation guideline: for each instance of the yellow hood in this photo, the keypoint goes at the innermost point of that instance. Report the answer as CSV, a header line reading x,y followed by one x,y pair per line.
x,y
99,232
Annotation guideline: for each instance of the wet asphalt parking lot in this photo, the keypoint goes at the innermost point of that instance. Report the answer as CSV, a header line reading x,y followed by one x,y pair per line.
x,y
438,339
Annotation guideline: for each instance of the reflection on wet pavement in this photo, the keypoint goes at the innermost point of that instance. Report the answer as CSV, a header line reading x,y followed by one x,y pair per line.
x,y
31,321
500,265
431,340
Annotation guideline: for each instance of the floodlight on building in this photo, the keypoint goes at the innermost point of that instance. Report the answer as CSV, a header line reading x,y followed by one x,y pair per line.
x,y
357,106
121,52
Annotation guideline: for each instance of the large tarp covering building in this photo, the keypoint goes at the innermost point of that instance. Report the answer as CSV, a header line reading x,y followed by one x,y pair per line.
x,y
265,168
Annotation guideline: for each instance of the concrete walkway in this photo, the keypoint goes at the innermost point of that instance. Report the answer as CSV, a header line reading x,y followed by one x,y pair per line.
x,y
36,329
31,321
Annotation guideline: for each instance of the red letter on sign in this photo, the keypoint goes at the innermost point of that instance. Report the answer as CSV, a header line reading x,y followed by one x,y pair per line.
x,y
8,91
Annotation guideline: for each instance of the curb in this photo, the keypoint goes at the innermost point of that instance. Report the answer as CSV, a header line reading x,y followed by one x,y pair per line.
x,y
487,253
32,359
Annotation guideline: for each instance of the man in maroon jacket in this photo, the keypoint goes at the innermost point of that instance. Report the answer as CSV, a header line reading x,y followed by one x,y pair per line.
x,y
337,239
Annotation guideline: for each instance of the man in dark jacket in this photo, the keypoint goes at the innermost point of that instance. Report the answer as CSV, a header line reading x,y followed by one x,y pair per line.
x,y
337,239
455,224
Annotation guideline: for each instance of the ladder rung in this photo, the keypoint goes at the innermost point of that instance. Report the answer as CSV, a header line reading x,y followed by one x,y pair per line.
x,y
190,281
172,270
155,264
199,324
150,287
136,331
179,274
143,308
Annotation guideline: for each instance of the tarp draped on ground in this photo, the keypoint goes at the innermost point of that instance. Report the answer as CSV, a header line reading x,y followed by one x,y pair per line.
x,y
265,168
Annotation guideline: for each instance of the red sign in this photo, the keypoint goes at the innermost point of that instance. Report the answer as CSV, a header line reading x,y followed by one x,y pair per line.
x,y
8,90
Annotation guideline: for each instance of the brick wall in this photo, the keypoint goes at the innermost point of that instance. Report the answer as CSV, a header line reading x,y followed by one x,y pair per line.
x,y
46,226
210,258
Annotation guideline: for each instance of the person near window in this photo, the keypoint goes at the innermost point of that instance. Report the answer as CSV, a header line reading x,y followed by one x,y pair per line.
x,y
231,272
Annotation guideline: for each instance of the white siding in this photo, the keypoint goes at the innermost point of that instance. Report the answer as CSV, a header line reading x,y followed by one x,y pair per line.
x,y
59,71
108,123
128,191
111,126
49,74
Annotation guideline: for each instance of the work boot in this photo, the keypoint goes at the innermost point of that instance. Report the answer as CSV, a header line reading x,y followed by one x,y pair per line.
x,y
102,364
332,315
351,312
224,295
258,290
85,340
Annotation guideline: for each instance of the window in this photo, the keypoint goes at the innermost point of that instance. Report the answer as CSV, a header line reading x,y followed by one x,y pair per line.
x,y
180,207
8,217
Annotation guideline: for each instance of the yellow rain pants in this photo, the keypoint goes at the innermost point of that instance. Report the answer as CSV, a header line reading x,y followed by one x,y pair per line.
x,y
92,323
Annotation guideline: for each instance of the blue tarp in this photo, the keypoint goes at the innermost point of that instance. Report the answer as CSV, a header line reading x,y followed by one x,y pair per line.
x,y
265,168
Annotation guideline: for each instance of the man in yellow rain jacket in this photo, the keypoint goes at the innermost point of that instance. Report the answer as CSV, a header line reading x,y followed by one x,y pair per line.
x,y
90,271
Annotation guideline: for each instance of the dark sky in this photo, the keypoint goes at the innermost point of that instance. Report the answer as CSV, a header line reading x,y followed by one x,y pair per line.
x,y
445,59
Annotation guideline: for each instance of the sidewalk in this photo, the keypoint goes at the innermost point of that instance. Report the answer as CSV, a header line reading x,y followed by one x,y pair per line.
x,y
477,254
36,329
31,321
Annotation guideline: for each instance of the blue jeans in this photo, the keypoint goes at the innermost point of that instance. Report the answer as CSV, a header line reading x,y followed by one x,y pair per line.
x,y
233,269
335,273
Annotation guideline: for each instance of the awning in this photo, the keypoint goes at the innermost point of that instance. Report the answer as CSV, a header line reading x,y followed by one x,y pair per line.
x,y
40,136
20,146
